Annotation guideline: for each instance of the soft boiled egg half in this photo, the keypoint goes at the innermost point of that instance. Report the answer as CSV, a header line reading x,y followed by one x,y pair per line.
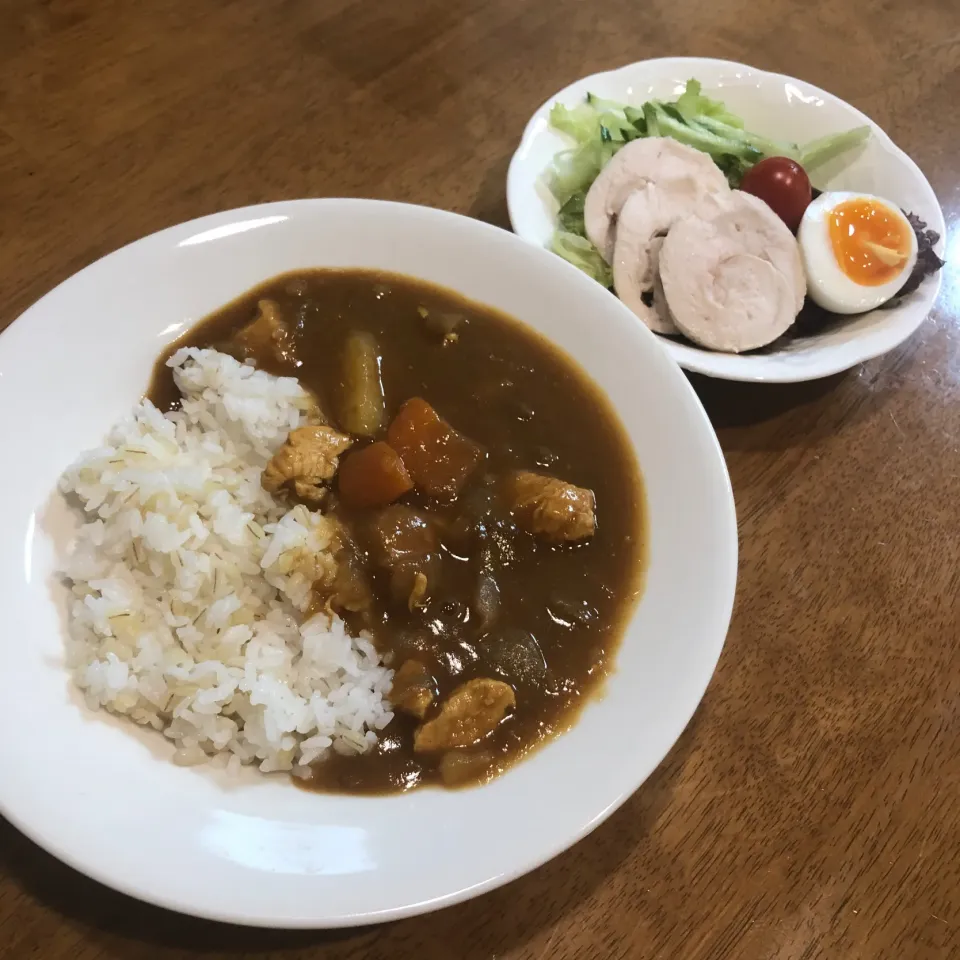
x,y
858,251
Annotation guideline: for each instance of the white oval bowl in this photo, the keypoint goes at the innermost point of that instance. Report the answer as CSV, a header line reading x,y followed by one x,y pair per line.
x,y
780,107
104,797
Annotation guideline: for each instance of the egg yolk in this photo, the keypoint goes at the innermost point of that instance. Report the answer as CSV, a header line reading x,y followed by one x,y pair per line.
x,y
870,241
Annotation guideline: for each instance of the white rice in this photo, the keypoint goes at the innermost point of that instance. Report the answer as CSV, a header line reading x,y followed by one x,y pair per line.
x,y
189,583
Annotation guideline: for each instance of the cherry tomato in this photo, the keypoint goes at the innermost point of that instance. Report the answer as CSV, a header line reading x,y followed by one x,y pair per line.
x,y
783,185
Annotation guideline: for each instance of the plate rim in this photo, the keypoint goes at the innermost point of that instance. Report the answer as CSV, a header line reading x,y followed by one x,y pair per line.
x,y
727,578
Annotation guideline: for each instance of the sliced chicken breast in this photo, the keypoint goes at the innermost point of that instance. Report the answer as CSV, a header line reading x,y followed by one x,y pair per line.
x,y
660,305
650,160
734,280
766,235
644,219
636,263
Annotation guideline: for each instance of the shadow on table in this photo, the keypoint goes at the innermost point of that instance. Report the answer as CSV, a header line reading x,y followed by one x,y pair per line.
x,y
498,922
730,403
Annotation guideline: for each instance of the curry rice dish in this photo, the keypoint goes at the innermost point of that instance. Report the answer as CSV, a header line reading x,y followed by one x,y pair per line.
x,y
360,529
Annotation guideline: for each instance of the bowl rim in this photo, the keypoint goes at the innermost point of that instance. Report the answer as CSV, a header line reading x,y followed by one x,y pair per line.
x,y
697,359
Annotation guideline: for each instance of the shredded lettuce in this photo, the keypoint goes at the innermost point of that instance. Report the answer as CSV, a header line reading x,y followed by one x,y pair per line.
x,y
693,105
579,251
579,122
570,241
600,126
574,170
570,217
589,120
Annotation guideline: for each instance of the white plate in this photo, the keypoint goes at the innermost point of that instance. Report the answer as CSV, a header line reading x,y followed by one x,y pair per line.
x,y
104,797
782,108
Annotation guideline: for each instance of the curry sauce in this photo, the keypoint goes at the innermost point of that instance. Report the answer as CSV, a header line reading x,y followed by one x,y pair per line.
x,y
541,615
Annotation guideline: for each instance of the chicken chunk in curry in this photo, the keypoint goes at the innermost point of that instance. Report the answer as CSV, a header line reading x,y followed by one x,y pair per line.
x,y
471,713
550,508
305,462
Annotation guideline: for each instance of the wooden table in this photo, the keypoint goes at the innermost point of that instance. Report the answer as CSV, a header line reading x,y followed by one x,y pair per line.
x,y
812,808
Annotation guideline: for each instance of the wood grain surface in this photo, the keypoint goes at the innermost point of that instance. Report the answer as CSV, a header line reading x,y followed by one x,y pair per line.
x,y
812,808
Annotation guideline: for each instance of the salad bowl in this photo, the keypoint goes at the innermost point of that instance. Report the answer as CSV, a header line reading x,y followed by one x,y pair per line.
x,y
781,108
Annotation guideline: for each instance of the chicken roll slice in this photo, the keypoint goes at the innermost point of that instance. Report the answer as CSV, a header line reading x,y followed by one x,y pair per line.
x,y
644,219
652,160
733,303
664,315
734,280
767,236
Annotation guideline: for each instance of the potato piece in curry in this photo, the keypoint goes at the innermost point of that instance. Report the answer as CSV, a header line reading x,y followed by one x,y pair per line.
x,y
488,507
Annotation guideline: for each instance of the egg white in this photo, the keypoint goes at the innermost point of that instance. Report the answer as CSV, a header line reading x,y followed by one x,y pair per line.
x,y
827,284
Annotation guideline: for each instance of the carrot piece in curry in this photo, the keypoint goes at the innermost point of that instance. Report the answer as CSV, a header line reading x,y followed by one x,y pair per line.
x,y
439,459
373,476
